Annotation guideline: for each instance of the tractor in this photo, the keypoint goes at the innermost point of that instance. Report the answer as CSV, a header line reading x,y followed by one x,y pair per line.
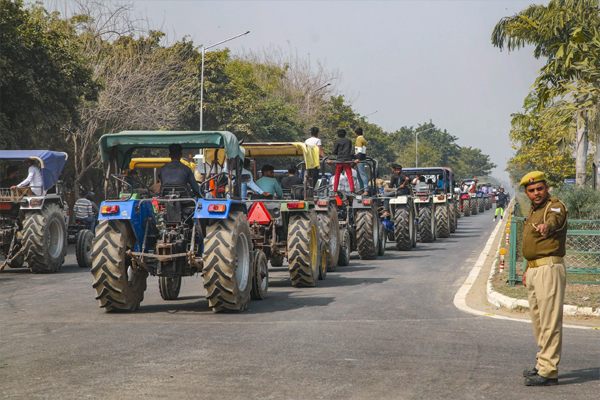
x,y
175,233
33,227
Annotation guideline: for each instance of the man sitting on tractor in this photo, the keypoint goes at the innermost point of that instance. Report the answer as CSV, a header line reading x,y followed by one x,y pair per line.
x,y
176,173
33,180
398,185
293,179
11,179
268,183
86,210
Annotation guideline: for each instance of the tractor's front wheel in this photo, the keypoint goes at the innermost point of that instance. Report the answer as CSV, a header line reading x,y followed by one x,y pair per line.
x,y
227,272
303,249
169,287
344,259
83,250
426,233
260,277
404,227
118,286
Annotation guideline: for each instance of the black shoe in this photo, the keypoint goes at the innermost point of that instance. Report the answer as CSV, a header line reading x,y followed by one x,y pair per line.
x,y
538,380
530,372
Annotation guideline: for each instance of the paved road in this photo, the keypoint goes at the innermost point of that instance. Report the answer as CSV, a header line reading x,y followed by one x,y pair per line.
x,y
384,329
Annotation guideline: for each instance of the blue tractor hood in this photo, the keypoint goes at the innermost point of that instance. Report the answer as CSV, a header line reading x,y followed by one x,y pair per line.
x,y
51,162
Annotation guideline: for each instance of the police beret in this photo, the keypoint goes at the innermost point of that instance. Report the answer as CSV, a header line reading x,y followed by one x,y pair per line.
x,y
533,177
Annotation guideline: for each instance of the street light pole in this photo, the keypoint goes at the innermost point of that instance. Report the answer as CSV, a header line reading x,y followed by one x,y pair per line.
x,y
202,74
417,146
308,103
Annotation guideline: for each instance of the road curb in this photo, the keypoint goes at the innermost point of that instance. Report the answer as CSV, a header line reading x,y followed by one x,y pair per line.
x,y
461,295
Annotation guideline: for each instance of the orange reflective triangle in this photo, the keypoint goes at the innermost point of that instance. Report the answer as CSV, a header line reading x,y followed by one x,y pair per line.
x,y
258,213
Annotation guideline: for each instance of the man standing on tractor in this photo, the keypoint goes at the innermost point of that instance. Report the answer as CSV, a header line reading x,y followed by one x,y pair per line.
x,y
398,185
86,210
360,150
501,203
313,140
33,180
268,183
175,173
342,148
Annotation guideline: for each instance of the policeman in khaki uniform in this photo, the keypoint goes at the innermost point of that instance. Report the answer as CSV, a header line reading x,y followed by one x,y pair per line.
x,y
544,238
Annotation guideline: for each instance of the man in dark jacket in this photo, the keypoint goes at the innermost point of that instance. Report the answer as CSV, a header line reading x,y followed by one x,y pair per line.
x,y
342,148
175,173
501,203
292,179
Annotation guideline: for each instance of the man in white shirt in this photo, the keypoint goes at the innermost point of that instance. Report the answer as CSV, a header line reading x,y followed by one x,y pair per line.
x,y
33,180
313,140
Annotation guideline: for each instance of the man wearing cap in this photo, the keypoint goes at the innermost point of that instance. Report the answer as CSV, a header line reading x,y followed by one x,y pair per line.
x,y
176,173
544,241
398,185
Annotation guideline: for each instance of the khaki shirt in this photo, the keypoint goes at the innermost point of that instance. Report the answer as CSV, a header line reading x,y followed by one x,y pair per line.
x,y
554,214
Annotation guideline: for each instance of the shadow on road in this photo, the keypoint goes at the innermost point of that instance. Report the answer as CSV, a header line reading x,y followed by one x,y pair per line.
x,y
580,376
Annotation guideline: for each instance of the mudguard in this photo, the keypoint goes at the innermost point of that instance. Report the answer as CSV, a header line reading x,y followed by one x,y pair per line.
x,y
203,205
133,210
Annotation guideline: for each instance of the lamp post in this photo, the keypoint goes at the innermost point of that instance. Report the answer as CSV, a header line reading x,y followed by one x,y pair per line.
x,y
417,146
308,102
202,74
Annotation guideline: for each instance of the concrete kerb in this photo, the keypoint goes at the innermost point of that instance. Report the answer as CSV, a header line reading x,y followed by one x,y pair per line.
x,y
499,299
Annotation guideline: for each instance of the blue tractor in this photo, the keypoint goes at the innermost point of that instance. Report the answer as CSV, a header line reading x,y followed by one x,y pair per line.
x,y
175,234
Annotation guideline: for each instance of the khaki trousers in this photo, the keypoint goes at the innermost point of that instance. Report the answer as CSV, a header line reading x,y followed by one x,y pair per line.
x,y
546,294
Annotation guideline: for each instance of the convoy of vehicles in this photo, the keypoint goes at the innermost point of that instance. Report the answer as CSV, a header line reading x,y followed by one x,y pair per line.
x,y
148,227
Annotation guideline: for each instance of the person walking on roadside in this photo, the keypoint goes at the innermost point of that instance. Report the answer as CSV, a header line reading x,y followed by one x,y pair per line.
x,y
313,140
360,151
544,242
342,148
501,203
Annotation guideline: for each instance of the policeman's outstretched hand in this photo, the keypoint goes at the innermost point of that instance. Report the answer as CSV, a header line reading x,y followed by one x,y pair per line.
x,y
543,229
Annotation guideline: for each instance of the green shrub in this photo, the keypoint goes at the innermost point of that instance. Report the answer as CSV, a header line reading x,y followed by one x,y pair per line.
x,y
582,203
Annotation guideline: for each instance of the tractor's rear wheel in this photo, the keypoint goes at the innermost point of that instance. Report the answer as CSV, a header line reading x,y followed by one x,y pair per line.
x,y
467,208
227,272
344,259
169,287
457,208
45,239
382,240
481,203
426,233
260,277
83,250
453,217
474,206
442,221
118,286
403,227
303,249
367,234
329,227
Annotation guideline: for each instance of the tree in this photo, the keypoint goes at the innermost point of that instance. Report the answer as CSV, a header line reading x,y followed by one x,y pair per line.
x,y
564,32
44,76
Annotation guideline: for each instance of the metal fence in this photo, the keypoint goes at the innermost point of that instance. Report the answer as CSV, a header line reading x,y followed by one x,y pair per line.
x,y
583,251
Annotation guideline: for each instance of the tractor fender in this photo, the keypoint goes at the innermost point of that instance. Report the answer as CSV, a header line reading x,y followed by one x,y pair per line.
x,y
134,211
205,211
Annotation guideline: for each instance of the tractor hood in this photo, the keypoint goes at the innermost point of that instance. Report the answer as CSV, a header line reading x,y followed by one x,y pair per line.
x,y
51,162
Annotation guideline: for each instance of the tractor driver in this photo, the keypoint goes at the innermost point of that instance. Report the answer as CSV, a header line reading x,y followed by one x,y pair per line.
x,y
398,185
33,180
12,178
176,173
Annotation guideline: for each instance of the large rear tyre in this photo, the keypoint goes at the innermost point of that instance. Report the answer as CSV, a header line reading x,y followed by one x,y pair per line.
x,y
457,209
404,228
329,227
367,234
344,259
118,286
426,228
303,249
227,272
442,221
83,250
481,203
382,240
169,287
453,217
260,277
45,239
467,208
474,206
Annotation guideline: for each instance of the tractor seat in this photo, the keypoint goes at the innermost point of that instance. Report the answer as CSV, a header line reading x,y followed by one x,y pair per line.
x,y
181,191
